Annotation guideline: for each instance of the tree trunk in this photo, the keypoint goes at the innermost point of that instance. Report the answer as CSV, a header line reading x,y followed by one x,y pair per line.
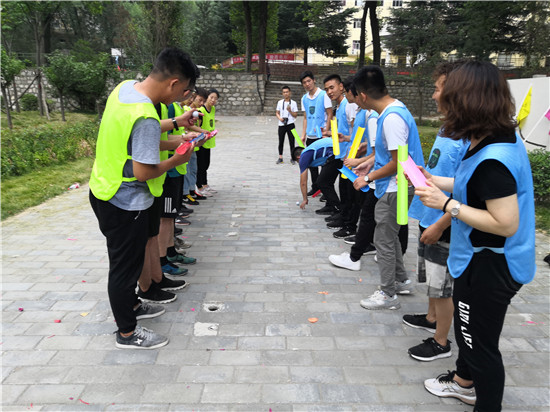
x,y
42,93
38,39
375,29
262,36
305,55
6,103
362,39
248,28
16,97
62,102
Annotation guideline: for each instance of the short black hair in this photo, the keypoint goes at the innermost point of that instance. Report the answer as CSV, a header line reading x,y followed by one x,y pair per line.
x,y
333,77
349,86
202,92
173,61
370,80
210,91
307,73
285,87
296,153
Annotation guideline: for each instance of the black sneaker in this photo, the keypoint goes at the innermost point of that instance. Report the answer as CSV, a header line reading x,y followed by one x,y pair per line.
x,y
311,192
326,210
190,200
186,210
350,240
335,224
196,196
419,321
142,338
371,250
178,231
155,294
334,216
170,284
430,350
322,198
343,233
292,161
279,161
146,311
181,221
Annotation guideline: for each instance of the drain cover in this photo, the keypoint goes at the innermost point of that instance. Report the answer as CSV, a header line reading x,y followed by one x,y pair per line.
x,y
213,307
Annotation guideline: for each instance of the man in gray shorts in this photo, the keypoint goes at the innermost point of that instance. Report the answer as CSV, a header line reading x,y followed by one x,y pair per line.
x,y
433,245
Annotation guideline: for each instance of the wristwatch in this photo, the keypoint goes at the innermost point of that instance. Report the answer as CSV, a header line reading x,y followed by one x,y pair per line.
x,y
367,179
455,209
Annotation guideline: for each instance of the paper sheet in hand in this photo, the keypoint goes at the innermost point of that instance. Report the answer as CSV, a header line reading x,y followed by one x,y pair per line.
x,y
413,172
352,176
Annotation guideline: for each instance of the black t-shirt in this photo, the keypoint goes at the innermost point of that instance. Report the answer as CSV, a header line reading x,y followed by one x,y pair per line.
x,y
490,180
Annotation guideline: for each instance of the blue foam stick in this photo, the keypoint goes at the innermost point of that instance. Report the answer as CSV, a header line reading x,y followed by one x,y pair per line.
x,y
352,176
199,137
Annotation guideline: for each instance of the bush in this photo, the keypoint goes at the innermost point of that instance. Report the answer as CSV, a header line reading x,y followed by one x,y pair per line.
x,y
32,148
29,102
540,166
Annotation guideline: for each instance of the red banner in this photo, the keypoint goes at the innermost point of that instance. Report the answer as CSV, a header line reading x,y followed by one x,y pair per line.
x,y
255,58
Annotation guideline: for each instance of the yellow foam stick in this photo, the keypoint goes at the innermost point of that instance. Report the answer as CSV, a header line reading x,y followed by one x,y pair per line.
x,y
402,187
297,138
355,146
356,143
335,142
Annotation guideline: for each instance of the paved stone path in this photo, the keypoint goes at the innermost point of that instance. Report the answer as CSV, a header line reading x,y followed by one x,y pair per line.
x,y
263,262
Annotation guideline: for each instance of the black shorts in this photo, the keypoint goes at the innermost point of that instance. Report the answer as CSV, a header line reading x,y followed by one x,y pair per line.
x,y
154,216
172,195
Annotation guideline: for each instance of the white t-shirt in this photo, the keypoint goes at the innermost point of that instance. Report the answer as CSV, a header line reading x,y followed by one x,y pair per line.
x,y
283,112
351,112
396,133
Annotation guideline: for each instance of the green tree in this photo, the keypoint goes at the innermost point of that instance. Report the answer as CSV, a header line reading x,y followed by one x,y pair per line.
x,y
328,27
62,73
490,27
537,31
238,31
293,28
10,67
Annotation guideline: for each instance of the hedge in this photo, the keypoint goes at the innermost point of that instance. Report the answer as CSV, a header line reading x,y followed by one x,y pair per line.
x,y
28,149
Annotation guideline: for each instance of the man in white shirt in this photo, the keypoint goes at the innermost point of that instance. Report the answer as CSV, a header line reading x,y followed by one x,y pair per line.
x,y
286,112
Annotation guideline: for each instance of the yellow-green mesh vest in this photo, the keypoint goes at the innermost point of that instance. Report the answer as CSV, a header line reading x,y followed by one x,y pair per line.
x,y
209,123
178,111
112,144
156,184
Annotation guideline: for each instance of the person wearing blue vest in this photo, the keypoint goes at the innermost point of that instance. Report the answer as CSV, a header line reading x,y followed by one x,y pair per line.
x,y
433,244
123,185
492,250
329,172
395,127
317,109
314,155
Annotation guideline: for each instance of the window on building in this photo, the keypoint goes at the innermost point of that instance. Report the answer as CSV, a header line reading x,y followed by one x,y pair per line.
x,y
356,23
397,3
355,47
358,3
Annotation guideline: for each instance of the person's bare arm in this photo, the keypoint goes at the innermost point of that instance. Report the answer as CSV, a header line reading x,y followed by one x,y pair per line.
x,y
303,189
143,171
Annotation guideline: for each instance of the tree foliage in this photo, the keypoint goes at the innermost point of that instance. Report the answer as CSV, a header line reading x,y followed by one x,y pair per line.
x,y
10,67
238,31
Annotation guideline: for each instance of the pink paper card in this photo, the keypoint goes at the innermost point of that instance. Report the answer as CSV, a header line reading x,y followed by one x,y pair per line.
x,y
413,172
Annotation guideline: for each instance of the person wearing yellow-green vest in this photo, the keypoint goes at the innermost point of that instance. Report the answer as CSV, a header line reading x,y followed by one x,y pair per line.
x,y
203,155
123,185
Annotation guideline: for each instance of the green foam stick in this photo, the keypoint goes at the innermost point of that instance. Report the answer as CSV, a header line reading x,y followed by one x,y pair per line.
x,y
298,140
402,187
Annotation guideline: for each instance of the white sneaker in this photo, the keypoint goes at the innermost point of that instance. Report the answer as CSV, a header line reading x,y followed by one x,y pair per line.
x,y
379,300
209,189
404,288
344,261
445,387
203,192
376,258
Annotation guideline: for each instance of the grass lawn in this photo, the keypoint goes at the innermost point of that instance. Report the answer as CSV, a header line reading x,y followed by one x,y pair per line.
x,y
33,119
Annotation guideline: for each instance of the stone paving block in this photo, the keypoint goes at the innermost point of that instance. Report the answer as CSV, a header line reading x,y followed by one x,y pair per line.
x,y
37,375
407,394
339,358
348,393
231,357
310,343
261,343
10,394
54,393
525,397
241,329
264,374
109,393
23,358
205,374
316,374
176,392
231,393
130,357
76,305
49,329
290,393
288,330
183,357
372,375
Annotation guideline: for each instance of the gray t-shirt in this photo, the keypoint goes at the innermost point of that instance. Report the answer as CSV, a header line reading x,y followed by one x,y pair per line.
x,y
143,146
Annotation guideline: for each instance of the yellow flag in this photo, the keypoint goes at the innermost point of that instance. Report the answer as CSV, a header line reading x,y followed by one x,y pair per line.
x,y
525,108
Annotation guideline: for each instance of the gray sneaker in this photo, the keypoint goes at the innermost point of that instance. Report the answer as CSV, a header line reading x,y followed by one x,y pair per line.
x,y
146,311
404,288
379,300
142,338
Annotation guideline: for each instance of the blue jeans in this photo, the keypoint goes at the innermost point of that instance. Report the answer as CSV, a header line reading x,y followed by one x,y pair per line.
x,y
190,178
